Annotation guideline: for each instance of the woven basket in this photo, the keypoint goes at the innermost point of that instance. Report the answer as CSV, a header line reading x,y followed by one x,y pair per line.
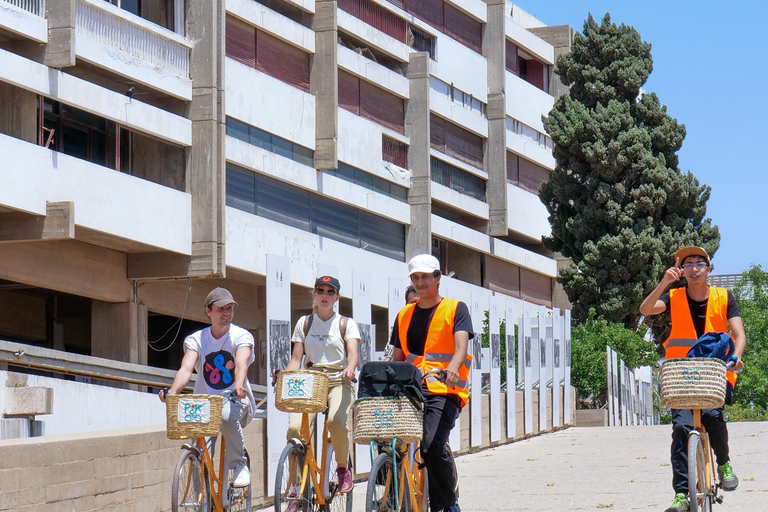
x,y
693,383
301,391
382,419
190,416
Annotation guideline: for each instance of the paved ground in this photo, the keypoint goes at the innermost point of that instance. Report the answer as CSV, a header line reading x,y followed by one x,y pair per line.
x,y
610,468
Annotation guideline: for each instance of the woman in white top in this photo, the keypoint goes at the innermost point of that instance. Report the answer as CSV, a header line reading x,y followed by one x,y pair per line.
x,y
328,352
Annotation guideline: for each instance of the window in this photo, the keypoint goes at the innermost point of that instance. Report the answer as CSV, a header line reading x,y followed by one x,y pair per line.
x,y
365,99
422,41
369,181
268,54
376,16
515,126
82,135
456,141
292,206
449,20
527,67
272,143
394,151
525,174
456,95
457,179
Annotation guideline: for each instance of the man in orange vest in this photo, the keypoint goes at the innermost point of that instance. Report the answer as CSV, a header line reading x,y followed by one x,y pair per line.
x,y
433,333
695,309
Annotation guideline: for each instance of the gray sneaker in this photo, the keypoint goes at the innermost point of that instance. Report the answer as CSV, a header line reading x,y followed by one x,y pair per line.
x,y
679,504
728,481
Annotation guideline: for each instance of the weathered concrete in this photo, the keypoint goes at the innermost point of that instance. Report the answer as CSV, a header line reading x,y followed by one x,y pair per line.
x,y
60,50
28,401
418,236
325,85
17,113
119,331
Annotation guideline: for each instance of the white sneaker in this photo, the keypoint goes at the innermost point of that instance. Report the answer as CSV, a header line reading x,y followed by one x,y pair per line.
x,y
242,476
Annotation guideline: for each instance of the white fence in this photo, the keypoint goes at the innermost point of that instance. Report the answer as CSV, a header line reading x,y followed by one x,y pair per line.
x,y
36,7
138,38
630,393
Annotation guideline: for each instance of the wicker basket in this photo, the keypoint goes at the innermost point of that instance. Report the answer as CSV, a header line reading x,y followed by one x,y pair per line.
x,y
301,391
693,383
382,419
190,416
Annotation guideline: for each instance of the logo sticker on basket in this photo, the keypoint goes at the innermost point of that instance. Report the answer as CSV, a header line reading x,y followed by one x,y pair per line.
x,y
691,376
297,386
383,418
194,410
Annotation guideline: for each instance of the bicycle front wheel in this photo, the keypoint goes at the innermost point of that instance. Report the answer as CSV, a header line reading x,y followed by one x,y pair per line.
x,y
288,481
699,482
190,486
380,495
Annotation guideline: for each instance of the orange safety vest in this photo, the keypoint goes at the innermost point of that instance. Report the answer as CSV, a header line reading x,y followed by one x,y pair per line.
x,y
683,334
438,348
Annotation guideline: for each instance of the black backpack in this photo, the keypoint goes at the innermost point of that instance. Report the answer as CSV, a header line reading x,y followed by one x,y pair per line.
x,y
391,379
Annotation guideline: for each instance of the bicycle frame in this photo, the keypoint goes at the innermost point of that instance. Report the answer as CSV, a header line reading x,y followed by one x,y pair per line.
x,y
311,469
210,473
709,486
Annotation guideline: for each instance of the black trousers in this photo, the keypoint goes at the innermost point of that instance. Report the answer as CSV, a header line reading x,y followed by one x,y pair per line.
x,y
440,415
682,424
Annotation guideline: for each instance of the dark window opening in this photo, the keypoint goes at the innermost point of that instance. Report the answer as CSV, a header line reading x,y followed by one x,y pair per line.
x,y
455,141
422,41
530,69
457,179
367,100
362,48
292,12
394,151
284,203
525,174
449,20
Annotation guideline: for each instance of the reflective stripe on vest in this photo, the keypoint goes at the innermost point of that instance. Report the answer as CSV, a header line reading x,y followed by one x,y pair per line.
x,y
438,347
682,336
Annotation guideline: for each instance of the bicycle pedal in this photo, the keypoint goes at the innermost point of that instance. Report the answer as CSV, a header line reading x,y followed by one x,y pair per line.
x,y
719,499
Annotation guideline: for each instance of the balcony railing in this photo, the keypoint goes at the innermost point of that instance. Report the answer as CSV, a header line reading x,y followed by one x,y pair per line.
x,y
36,7
108,25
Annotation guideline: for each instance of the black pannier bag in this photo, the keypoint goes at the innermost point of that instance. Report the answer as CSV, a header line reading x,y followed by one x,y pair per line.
x,y
391,379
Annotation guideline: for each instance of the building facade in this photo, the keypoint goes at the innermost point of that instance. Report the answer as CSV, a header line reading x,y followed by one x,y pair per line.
x,y
150,151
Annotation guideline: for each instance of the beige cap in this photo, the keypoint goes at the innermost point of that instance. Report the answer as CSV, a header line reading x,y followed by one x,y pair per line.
x,y
691,250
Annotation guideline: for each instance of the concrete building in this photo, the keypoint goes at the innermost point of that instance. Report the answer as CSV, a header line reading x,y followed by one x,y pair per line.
x,y
151,150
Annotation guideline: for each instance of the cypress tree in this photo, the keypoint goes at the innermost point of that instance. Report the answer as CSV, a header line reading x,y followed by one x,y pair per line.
x,y
618,204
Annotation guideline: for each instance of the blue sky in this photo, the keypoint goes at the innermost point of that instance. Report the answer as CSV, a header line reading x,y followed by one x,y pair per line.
x,y
710,68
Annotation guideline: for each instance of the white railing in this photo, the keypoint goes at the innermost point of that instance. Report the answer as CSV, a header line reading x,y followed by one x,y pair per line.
x,y
36,7
108,25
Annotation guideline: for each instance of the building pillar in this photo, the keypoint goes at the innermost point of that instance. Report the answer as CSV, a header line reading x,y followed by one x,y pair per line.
x,y
495,160
418,236
60,50
119,331
206,164
18,113
324,84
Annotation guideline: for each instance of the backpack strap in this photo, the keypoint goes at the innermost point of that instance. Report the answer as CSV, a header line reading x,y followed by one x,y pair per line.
x,y
343,329
307,324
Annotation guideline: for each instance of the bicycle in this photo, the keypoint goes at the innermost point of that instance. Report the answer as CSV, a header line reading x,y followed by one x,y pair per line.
x,y
196,484
299,477
393,478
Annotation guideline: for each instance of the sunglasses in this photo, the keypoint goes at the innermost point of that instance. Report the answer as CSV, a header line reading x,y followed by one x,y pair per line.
x,y
699,265
325,291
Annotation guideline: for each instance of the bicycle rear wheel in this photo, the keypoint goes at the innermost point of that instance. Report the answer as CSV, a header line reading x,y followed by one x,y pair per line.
x,y
288,481
700,488
190,486
336,501
380,495
240,497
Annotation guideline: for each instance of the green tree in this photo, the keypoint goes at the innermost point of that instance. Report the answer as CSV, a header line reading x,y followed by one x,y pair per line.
x,y
589,340
618,204
752,295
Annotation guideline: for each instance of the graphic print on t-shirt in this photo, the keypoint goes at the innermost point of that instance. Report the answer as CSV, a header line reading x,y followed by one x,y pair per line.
x,y
219,369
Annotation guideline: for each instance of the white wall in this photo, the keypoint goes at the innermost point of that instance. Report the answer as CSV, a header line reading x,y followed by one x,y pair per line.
x,y
270,104
458,64
105,200
24,23
527,214
251,238
526,102
375,73
80,407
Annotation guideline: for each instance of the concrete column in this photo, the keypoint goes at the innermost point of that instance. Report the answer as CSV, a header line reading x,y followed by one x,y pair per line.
x,y
324,84
206,166
119,331
561,37
495,160
418,236
18,113
559,297
60,50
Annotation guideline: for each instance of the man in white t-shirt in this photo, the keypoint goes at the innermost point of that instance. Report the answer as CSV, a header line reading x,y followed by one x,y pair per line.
x,y
221,354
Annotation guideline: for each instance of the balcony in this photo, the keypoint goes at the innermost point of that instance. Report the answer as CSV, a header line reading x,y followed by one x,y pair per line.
x,y
24,18
128,45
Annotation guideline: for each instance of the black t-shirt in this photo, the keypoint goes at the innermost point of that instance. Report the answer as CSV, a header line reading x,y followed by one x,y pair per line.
x,y
699,310
419,327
